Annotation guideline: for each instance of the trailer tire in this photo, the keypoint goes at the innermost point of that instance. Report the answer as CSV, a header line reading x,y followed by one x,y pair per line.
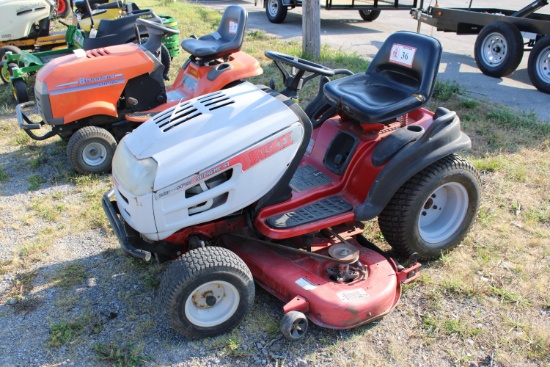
x,y
206,292
433,211
5,74
275,11
498,49
91,150
369,15
19,90
538,66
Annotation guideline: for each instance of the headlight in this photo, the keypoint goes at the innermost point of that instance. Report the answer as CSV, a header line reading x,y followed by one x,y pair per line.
x,y
135,175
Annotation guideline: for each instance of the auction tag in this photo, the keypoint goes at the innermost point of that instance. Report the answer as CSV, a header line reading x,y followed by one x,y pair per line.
x,y
233,26
402,55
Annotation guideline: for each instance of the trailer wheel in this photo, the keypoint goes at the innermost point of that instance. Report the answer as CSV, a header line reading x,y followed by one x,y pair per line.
x,y
538,65
432,212
19,90
5,73
498,49
91,150
275,11
206,292
294,325
369,15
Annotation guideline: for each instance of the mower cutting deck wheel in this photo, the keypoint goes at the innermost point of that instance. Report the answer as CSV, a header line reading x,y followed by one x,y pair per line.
x,y
294,325
432,212
91,150
206,292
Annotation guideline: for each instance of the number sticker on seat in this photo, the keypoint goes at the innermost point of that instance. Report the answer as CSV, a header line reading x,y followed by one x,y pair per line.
x,y
233,26
402,55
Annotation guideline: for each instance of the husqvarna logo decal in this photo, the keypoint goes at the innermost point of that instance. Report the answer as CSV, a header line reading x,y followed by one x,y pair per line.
x,y
89,83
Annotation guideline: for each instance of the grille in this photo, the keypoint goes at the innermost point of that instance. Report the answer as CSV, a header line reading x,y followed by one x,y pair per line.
x,y
186,111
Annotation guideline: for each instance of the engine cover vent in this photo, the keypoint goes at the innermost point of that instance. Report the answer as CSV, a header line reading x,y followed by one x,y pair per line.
x,y
186,111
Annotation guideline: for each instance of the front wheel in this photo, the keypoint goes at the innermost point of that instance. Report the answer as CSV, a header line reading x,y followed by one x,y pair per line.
x,y
498,49
206,292
91,150
369,15
433,211
275,11
538,66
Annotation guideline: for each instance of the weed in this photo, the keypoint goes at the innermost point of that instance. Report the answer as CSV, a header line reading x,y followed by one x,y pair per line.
x,y
35,182
125,355
70,275
4,176
63,333
444,90
508,297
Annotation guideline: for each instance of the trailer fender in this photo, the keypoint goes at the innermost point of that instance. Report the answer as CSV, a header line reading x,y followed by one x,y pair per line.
x,y
441,138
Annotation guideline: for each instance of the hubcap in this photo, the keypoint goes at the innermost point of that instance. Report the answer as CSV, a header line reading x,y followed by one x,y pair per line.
x,y
212,303
542,65
494,49
94,154
443,212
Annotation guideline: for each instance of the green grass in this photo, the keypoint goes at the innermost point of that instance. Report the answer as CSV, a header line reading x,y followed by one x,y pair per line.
x,y
120,355
63,333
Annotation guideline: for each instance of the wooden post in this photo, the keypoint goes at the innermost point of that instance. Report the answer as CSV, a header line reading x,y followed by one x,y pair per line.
x,y
311,28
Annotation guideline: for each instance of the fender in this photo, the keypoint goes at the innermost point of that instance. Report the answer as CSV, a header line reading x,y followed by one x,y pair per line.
x,y
441,138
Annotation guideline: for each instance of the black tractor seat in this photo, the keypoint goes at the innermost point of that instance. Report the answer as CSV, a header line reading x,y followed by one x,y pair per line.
x,y
400,79
226,40
81,6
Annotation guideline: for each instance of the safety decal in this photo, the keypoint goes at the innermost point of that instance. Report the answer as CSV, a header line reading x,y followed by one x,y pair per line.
x,y
354,295
306,284
402,55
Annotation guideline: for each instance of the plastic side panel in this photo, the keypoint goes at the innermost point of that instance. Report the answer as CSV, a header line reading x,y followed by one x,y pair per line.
x,y
136,210
254,171
70,90
192,80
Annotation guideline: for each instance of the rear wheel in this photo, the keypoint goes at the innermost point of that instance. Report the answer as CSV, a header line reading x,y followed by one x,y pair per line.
x,y
538,66
369,15
19,90
5,73
91,150
275,11
206,292
498,49
433,211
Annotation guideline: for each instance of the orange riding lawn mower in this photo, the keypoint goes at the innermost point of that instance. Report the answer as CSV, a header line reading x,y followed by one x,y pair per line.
x,y
124,86
242,186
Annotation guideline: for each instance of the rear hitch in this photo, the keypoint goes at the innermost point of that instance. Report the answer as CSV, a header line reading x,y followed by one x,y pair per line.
x,y
410,273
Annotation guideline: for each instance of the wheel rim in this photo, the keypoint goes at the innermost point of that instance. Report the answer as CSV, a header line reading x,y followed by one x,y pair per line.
x,y
212,303
366,12
6,75
61,7
443,212
94,154
543,65
272,7
298,328
494,49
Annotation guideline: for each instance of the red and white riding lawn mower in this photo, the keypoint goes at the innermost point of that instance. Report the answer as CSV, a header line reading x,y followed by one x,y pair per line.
x,y
240,186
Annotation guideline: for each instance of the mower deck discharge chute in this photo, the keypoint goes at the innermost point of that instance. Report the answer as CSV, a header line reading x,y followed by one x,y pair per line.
x,y
242,185
124,86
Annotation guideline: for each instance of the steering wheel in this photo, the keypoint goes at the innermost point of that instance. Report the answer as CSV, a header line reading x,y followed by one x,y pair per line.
x,y
157,27
300,64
